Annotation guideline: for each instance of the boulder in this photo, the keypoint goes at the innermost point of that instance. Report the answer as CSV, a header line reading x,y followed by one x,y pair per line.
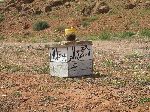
x,y
96,7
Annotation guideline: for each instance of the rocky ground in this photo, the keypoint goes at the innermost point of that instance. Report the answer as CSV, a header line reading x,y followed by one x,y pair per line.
x,y
121,80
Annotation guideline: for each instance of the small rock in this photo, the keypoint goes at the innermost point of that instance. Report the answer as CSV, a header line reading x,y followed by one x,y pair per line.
x,y
101,7
26,26
130,6
48,8
4,95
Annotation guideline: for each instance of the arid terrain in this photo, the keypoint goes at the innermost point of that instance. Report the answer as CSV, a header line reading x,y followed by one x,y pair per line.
x,y
120,30
121,80
89,17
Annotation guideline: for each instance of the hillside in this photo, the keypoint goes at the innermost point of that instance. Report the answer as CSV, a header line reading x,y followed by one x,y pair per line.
x,y
120,81
90,17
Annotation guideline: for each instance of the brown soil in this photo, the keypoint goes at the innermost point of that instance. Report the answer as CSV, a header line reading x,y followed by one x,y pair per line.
x,y
121,82
111,15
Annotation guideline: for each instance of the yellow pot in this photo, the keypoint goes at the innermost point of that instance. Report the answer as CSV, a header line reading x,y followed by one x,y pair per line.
x,y
70,31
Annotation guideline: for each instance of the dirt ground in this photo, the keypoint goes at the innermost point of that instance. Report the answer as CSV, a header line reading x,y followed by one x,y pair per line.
x,y
121,80
121,77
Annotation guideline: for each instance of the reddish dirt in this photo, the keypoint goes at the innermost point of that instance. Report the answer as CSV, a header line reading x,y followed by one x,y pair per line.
x,y
121,80
20,16
120,84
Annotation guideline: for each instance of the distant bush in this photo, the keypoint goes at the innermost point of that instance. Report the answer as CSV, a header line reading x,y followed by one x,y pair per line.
x,y
145,33
1,17
104,36
2,37
40,25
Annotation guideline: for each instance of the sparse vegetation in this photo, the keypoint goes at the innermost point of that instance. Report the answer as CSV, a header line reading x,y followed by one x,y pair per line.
x,y
142,80
145,33
86,21
57,39
104,36
1,17
115,71
2,38
40,25
11,68
60,28
121,68
144,100
44,69
118,83
108,63
101,36
17,94
134,55
47,99
125,35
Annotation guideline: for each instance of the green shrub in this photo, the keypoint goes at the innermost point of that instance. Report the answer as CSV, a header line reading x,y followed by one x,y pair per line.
x,y
126,34
144,100
145,33
40,25
92,37
104,36
11,68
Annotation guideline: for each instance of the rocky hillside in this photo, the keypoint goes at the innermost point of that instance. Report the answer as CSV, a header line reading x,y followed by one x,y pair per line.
x,y
17,17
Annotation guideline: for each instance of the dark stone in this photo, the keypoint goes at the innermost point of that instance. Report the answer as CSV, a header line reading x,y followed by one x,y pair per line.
x,y
48,8
71,37
130,6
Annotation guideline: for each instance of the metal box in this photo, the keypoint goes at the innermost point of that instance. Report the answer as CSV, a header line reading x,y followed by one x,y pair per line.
x,y
71,59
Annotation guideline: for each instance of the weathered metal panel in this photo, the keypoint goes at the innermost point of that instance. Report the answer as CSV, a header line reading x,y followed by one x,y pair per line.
x,y
80,68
